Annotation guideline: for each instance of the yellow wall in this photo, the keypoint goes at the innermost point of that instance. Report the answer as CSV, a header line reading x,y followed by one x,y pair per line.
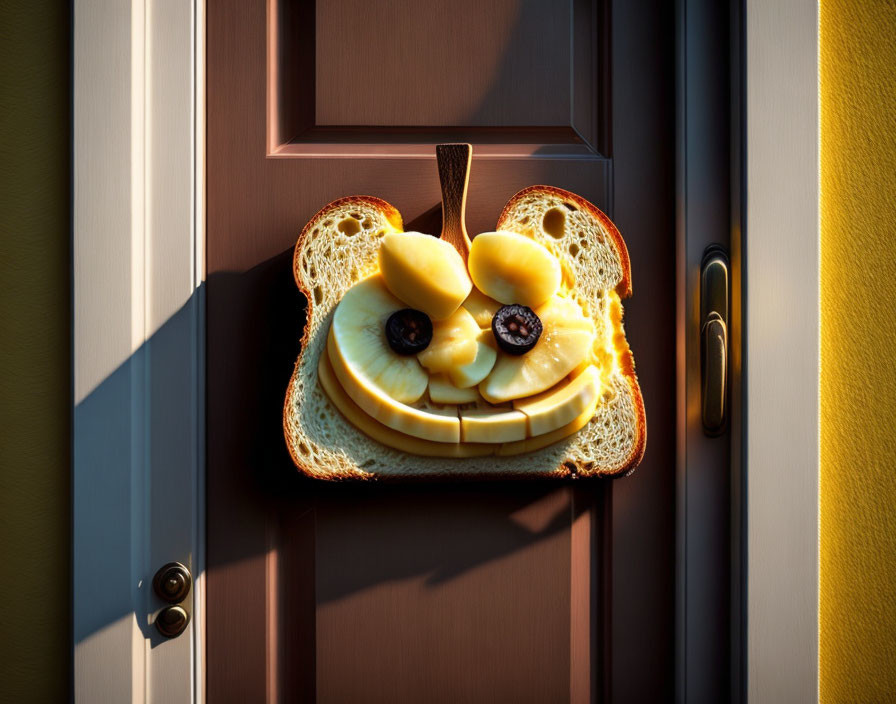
x,y
858,351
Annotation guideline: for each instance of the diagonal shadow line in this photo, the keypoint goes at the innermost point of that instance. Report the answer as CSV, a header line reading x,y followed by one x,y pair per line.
x,y
440,530
140,418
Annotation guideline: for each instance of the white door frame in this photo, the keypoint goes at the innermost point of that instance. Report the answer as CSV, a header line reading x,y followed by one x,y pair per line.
x,y
138,268
782,349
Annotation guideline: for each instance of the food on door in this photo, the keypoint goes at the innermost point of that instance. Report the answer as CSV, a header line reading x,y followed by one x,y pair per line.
x,y
422,361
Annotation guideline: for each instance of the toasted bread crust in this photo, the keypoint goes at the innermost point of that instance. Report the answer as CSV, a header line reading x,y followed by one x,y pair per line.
x,y
624,289
309,470
586,469
300,463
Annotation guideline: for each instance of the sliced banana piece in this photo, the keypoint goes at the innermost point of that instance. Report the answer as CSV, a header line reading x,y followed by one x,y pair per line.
x,y
512,268
560,404
454,343
468,375
565,342
425,272
384,408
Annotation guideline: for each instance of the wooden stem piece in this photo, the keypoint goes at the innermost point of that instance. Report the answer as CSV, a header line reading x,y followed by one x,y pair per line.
x,y
454,174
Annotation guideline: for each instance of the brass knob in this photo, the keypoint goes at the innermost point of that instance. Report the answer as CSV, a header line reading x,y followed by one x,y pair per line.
x,y
172,582
172,620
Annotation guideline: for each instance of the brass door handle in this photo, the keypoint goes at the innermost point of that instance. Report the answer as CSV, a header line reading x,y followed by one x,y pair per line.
x,y
172,621
714,333
172,582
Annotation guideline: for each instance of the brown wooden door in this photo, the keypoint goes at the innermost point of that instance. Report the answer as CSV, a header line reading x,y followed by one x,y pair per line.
x,y
498,592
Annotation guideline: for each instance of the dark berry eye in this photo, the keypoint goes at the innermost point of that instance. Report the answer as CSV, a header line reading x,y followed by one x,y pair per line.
x,y
516,328
408,331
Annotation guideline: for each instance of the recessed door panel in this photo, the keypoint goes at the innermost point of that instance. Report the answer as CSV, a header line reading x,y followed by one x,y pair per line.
x,y
460,63
414,589
445,592
404,72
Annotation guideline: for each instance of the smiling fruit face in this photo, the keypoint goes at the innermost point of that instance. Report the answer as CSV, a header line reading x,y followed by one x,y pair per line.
x,y
415,355
506,363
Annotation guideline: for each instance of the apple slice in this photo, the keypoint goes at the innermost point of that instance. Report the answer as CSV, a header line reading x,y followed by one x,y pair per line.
x,y
481,307
425,272
539,441
512,268
560,404
358,328
454,343
467,375
384,434
492,426
565,342
421,423
441,390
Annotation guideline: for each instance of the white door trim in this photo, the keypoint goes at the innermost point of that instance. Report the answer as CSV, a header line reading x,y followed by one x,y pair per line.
x,y
138,267
138,360
782,349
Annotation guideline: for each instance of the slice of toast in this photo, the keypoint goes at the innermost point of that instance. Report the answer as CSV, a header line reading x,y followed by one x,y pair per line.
x,y
338,248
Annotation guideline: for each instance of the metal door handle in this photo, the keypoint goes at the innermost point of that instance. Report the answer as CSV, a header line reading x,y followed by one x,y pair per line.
x,y
714,331
172,582
172,621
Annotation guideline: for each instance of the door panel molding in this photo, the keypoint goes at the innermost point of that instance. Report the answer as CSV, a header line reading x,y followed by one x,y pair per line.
x,y
480,97
138,352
